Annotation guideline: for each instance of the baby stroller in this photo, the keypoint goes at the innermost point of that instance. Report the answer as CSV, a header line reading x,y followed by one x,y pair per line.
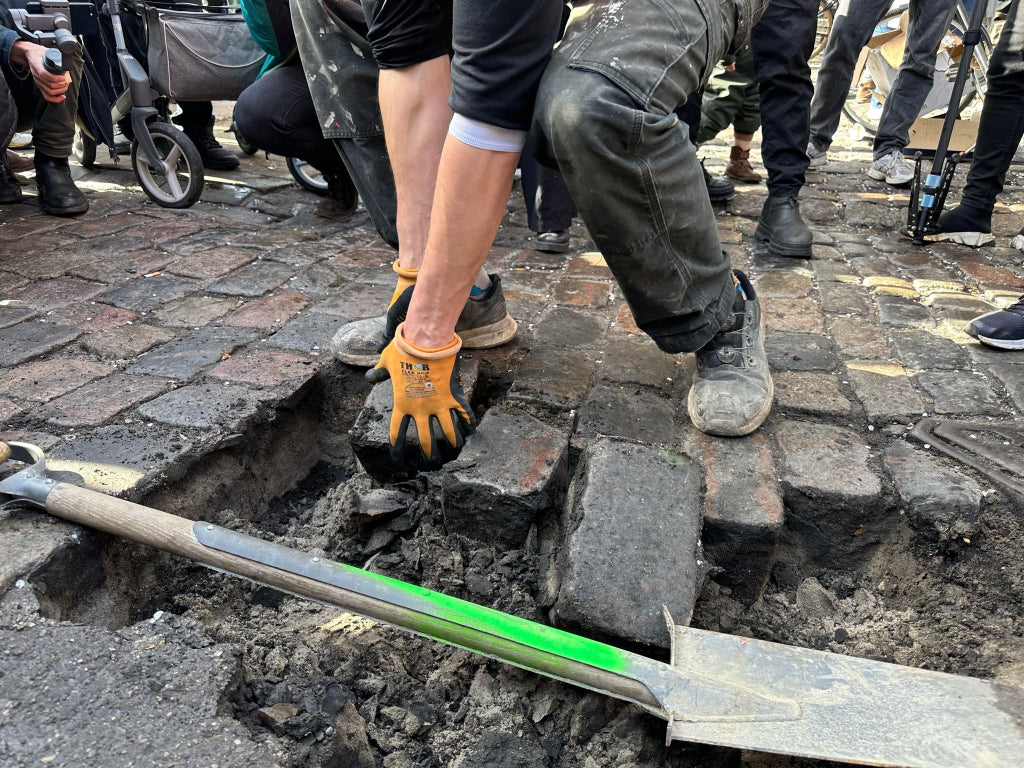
x,y
192,52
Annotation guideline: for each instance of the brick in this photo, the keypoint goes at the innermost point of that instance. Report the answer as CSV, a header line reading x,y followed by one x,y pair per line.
x,y
814,393
639,361
581,293
877,217
799,352
356,302
126,342
900,312
1012,377
841,298
9,409
266,368
743,513
563,327
269,312
185,240
629,504
101,400
958,306
253,279
12,314
123,266
107,225
144,294
923,350
213,263
793,316
779,284
55,263
625,411
554,378
990,275
316,280
835,510
42,381
309,332
91,316
885,390
194,311
624,321
33,543
589,266
954,392
930,491
204,406
59,292
183,358
511,469
539,260
30,339
371,431
859,338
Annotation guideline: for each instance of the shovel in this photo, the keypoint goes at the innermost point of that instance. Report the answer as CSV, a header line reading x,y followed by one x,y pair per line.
x,y
717,689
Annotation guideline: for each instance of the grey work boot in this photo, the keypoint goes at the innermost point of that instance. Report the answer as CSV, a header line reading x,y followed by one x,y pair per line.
x,y
484,323
732,390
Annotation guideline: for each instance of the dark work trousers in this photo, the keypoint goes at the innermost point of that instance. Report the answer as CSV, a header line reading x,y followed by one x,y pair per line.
x,y
276,114
605,113
855,22
1002,118
689,113
549,207
731,98
782,41
342,78
52,125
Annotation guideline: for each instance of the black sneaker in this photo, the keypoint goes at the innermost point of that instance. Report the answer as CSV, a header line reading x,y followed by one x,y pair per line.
x,y
720,189
732,390
964,225
1003,328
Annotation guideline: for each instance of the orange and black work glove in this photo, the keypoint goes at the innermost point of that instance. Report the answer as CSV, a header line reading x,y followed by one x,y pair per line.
x,y
427,392
399,306
406,279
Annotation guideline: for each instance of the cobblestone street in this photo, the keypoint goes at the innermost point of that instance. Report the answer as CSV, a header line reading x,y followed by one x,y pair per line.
x,y
180,359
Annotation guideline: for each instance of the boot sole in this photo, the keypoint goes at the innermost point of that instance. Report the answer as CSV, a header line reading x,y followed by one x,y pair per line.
x,y
751,425
972,239
796,251
551,248
76,210
743,179
359,361
488,336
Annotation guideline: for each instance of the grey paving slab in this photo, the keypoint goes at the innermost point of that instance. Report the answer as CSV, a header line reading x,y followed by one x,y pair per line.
x,y
183,358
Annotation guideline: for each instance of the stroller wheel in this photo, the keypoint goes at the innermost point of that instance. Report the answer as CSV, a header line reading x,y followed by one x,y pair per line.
x,y
84,149
308,177
181,186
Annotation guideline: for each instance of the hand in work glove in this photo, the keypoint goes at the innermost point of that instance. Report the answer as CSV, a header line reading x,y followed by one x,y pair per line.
x,y
399,305
427,392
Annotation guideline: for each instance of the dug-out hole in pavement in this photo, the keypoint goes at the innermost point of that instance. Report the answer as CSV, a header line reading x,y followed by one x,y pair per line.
x,y
335,690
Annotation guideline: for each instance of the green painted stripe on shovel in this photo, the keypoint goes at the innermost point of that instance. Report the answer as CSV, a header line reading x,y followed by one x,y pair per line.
x,y
515,629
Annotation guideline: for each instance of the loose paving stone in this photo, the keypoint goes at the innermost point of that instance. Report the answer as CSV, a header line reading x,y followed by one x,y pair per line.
x,y
1012,377
151,693
954,392
144,294
59,292
266,369
625,411
562,327
743,513
958,306
834,505
183,358
929,490
253,279
632,360
859,338
512,468
42,381
309,332
204,406
33,542
122,460
813,393
371,431
793,316
359,301
783,285
633,504
14,313
193,311
923,350
799,352
101,400
842,298
207,265
554,378
885,390
30,339
126,342
900,312
269,312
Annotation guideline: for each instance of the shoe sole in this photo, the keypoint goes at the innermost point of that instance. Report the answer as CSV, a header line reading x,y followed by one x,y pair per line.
x,y
488,336
972,239
78,210
551,248
359,361
756,420
882,176
763,235
997,343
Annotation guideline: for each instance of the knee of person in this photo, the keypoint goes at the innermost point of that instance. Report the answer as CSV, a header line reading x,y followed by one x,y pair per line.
x,y
250,119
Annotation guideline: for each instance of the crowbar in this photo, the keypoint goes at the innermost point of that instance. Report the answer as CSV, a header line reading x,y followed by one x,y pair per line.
x,y
717,689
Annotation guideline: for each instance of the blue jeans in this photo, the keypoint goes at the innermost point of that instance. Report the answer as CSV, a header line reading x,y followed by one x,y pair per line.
x,y
605,115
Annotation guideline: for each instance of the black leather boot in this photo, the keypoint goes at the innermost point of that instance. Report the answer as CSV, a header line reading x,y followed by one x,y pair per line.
x,y
720,189
10,189
215,157
782,228
58,195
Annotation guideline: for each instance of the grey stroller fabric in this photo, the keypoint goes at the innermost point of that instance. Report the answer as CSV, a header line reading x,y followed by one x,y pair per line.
x,y
201,56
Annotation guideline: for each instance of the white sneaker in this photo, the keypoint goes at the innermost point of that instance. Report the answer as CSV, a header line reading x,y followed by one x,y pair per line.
x,y
892,169
816,156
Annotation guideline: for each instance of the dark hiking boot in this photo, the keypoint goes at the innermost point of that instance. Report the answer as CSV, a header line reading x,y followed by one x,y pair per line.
x,y
10,189
58,195
739,168
732,389
215,157
783,229
720,190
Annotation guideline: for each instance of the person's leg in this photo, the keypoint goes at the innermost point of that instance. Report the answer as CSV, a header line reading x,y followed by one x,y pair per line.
x,y
852,27
782,41
745,118
196,120
10,189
